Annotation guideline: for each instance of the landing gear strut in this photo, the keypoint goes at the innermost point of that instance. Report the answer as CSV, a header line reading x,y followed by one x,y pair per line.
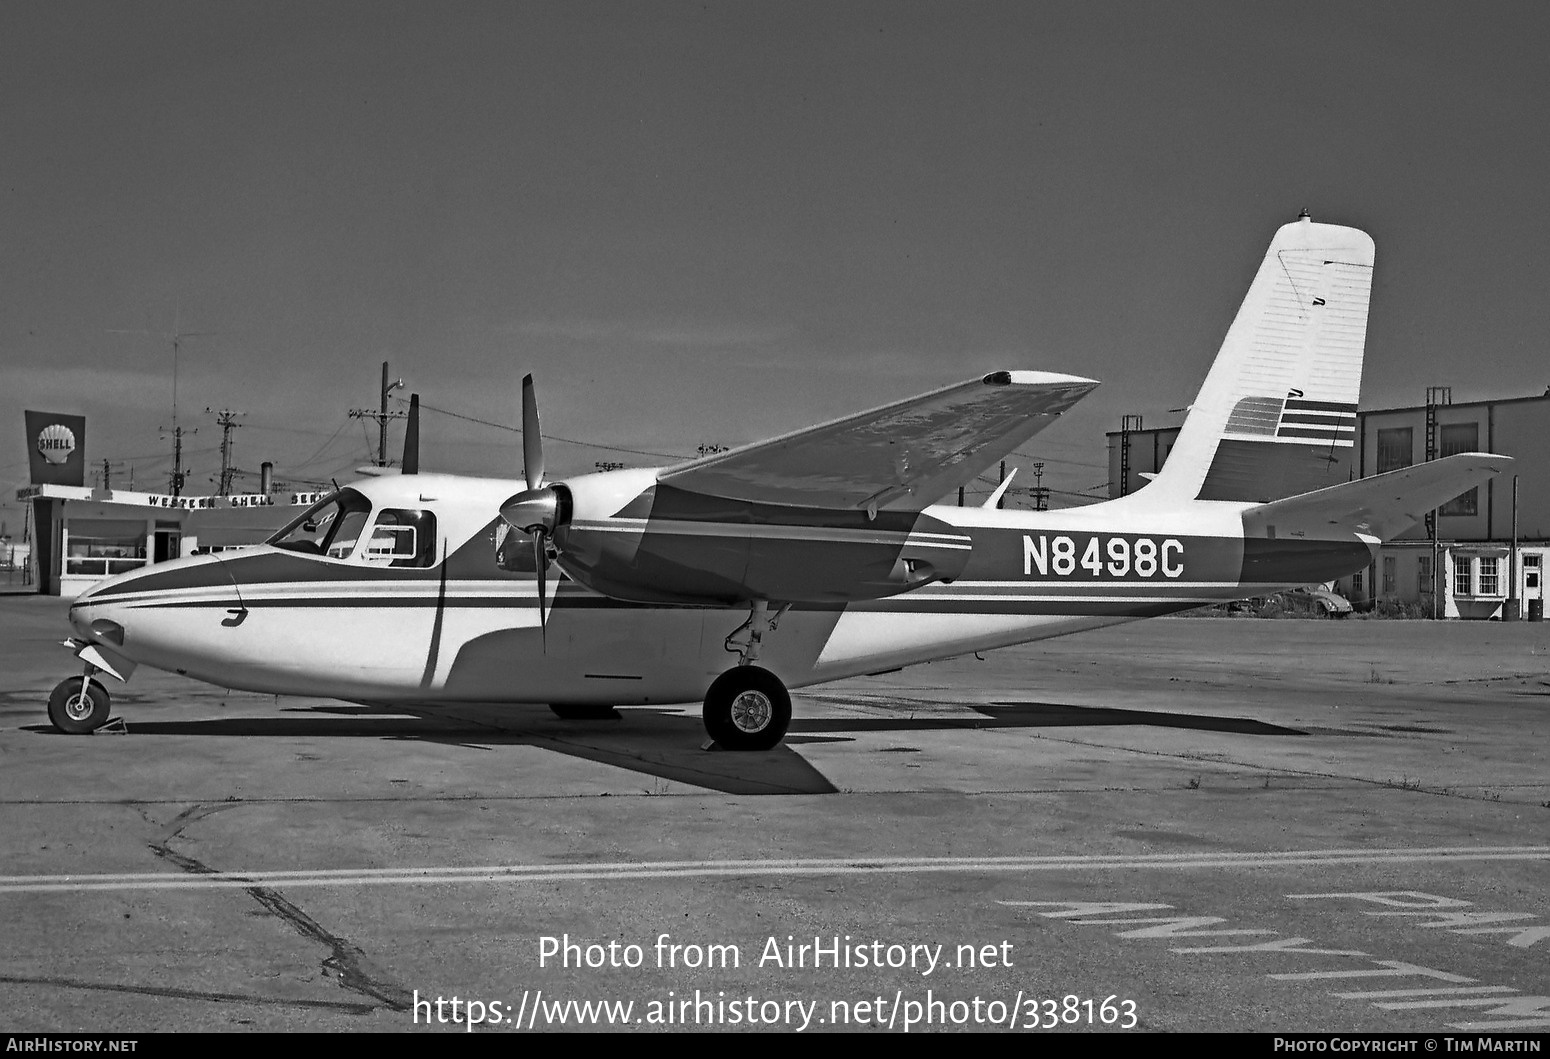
x,y
78,705
747,707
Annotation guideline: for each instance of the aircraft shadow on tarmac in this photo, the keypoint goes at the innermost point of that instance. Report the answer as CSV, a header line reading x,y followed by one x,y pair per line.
x,y
665,743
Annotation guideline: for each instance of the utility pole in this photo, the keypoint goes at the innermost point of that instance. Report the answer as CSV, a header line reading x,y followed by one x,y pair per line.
x,y
227,420
1435,397
1511,611
1127,426
381,415
107,476
177,335
1040,494
176,479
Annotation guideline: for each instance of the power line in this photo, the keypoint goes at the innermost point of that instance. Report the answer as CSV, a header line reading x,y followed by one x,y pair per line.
x,y
548,437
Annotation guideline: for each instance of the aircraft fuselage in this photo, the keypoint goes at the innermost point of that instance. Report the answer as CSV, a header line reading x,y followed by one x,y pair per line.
x,y
466,629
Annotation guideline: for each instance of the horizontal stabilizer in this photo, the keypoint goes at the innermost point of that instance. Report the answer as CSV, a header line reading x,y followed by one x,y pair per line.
x,y
1382,506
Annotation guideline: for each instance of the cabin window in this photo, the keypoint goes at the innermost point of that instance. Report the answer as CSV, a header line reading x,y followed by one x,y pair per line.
x,y
402,537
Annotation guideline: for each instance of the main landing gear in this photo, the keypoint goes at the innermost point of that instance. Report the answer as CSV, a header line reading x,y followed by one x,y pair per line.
x,y
78,705
747,707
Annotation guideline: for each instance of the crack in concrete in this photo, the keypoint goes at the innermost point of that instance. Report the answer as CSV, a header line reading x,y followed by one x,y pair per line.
x,y
346,962
192,994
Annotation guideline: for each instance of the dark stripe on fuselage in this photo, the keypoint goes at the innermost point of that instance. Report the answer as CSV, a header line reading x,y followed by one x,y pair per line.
x,y
908,604
666,502
1046,561
1291,561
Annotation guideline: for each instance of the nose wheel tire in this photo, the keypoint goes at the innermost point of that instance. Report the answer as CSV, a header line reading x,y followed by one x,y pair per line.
x,y
78,706
747,708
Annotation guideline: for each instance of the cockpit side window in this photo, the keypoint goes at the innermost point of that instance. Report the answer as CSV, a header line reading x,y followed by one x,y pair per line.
x,y
402,537
330,527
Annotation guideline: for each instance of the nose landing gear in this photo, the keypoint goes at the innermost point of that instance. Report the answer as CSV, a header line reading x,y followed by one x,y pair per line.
x,y
78,705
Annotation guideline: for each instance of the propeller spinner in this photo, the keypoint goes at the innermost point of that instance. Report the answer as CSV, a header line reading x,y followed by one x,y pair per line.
x,y
535,511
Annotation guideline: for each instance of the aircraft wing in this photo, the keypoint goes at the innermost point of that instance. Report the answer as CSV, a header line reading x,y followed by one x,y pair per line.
x,y
900,457
1381,506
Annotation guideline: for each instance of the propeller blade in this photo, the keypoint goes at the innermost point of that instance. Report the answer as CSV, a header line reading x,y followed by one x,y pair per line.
x,y
411,464
541,561
532,442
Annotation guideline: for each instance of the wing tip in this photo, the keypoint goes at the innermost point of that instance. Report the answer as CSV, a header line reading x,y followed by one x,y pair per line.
x,y
1035,378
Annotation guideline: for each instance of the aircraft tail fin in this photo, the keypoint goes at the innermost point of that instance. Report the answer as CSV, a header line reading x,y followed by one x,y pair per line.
x,y
1276,416
1380,507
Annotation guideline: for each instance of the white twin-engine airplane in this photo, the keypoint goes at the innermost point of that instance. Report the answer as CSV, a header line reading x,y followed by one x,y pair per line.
x,y
811,557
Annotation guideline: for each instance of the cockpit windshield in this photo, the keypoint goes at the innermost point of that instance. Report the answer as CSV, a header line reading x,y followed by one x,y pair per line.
x,y
336,525
330,527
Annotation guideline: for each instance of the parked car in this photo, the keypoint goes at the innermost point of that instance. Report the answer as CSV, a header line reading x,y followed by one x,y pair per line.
x,y
1326,599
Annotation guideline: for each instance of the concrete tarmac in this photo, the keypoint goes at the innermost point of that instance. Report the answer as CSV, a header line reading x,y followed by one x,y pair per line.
x,y
1179,824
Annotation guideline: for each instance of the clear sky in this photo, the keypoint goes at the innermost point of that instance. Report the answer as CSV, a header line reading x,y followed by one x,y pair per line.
x,y
711,222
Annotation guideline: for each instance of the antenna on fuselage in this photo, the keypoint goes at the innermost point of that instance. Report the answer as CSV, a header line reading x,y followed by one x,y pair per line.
x,y
411,464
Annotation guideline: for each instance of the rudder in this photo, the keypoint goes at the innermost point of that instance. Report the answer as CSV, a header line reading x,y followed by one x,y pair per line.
x,y
1276,415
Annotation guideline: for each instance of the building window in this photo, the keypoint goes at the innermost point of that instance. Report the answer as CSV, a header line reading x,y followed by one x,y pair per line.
x,y
1388,575
1396,447
1423,576
1488,583
1462,569
1456,438
102,546
1356,583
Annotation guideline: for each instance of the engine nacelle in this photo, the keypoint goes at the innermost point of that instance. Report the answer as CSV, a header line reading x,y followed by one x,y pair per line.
x,y
671,546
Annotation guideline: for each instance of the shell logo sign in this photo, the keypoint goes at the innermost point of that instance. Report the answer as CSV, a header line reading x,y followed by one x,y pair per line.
x,y
56,442
56,445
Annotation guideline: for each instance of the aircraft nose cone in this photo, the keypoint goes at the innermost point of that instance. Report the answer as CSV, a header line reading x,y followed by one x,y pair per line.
x,y
80,620
92,619
94,611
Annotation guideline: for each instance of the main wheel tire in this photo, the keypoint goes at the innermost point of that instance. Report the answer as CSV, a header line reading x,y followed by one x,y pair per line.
x,y
747,708
573,712
78,706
